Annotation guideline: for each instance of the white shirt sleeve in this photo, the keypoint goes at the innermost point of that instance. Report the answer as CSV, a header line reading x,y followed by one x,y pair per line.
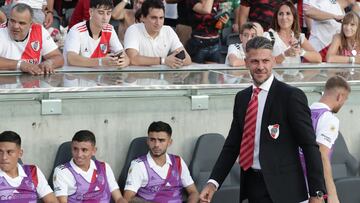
x,y
48,44
115,45
327,129
111,178
61,181
131,39
43,187
186,178
72,41
175,41
137,176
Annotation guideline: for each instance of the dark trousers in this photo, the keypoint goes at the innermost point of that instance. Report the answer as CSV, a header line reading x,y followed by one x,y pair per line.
x,y
255,188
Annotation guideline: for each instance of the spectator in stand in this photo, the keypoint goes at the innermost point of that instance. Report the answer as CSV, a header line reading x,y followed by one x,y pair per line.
x,y
152,42
24,44
207,22
126,18
345,46
63,12
289,43
183,27
89,42
236,53
43,10
261,11
326,22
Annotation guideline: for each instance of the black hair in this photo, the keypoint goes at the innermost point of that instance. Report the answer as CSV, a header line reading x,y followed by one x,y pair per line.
x,y
259,43
145,7
84,136
107,4
10,136
160,126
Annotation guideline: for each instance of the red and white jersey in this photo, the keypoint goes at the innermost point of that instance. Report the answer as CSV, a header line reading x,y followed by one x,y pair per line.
x,y
37,44
78,40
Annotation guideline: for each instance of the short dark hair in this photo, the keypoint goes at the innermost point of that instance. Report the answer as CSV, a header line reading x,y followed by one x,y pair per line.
x,y
259,43
84,136
107,4
159,126
21,7
337,81
246,26
10,136
145,7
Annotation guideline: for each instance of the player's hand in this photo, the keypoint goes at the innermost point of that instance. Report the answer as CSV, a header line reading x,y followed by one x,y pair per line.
x,y
207,193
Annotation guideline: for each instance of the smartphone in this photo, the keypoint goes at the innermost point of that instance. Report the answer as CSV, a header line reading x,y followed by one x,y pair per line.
x,y
181,55
118,54
221,14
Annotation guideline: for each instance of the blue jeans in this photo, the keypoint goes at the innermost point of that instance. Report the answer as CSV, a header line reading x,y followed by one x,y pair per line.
x,y
204,50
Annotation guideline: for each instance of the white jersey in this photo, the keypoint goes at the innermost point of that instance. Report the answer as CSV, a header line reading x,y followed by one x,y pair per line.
x,y
323,31
65,184
237,50
327,128
11,49
136,37
78,40
138,176
42,188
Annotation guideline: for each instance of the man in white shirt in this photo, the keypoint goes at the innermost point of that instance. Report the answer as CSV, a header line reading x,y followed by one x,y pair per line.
x,y
159,176
24,44
326,126
152,43
89,43
83,178
20,183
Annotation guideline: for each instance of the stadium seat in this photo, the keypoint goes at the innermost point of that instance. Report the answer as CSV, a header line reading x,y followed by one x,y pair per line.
x,y
343,164
138,147
206,152
62,156
348,189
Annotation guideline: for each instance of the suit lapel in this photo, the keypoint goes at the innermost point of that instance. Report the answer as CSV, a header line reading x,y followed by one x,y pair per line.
x,y
267,107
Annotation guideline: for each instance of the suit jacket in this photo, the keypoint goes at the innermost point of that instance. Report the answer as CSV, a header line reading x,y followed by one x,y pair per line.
x,y
279,158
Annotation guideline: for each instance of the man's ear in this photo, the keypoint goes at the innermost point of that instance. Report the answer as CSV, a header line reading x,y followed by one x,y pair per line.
x,y
21,153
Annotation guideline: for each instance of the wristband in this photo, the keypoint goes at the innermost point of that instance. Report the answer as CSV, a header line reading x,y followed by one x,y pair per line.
x,y
52,12
100,62
18,64
302,53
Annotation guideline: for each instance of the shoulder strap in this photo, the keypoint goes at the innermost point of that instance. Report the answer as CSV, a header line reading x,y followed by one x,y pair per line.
x,y
272,37
33,173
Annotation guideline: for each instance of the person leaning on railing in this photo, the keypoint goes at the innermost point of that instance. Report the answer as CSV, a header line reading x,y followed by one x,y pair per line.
x,y
345,46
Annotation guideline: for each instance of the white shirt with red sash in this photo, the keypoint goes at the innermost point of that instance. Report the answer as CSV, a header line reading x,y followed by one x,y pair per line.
x,y
37,44
78,40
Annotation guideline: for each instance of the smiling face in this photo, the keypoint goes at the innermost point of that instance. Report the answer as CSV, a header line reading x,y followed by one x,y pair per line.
x,y
154,21
82,153
285,17
260,63
9,156
19,24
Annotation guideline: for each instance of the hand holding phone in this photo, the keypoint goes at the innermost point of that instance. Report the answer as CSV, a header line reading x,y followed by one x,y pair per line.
x,y
118,54
181,55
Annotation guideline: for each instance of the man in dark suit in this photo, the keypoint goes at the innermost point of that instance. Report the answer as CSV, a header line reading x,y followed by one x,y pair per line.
x,y
271,120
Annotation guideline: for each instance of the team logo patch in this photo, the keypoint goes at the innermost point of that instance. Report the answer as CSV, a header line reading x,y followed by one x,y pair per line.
x,y
35,45
103,48
274,130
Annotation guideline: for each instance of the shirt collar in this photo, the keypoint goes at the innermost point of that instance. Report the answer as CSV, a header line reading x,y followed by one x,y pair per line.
x,y
267,84
21,172
152,163
319,105
79,170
